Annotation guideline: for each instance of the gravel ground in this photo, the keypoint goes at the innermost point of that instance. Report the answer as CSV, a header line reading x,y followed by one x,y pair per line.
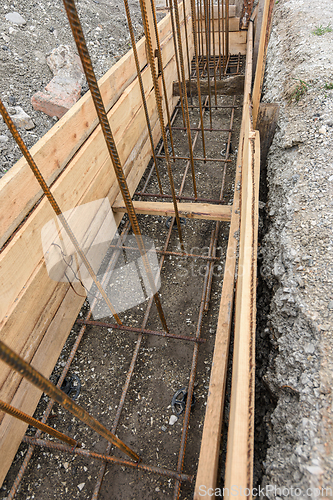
x,y
297,251
23,51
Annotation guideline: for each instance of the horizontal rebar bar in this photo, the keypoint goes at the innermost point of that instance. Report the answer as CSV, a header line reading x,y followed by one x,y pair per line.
x,y
205,129
106,458
134,329
190,198
162,157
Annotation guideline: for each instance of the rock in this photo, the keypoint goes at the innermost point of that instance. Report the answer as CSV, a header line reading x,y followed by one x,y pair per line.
x,y
65,465
3,139
65,87
173,420
330,304
20,118
322,130
314,469
81,486
11,30
163,428
15,18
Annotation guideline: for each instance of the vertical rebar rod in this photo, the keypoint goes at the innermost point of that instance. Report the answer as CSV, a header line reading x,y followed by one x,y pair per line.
x,y
188,125
18,364
24,417
174,38
75,347
54,204
207,60
142,90
198,76
159,52
227,27
77,31
160,114
219,30
187,51
213,35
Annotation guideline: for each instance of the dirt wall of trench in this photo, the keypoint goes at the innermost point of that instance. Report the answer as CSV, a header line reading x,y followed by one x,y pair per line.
x,y
296,253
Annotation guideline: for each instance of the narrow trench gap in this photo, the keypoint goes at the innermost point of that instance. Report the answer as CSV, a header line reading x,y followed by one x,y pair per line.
x,y
265,401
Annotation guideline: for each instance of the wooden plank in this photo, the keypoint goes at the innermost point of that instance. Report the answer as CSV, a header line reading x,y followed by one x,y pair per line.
x,y
232,11
27,396
239,468
237,43
188,210
233,24
207,473
257,25
232,85
261,63
54,150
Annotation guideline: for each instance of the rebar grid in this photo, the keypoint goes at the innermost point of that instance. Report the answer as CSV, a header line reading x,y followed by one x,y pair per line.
x,y
204,67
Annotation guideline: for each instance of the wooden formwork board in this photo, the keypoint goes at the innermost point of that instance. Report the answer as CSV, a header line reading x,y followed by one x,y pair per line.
x,y
207,475
37,313
237,43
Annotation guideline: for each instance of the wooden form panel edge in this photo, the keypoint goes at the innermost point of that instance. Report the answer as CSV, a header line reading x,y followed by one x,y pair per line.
x,y
206,479
188,210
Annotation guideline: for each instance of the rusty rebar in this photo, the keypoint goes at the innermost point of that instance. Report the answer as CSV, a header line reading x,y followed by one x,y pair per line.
x,y
196,59
174,38
160,59
134,329
31,162
150,55
106,458
77,31
18,364
142,90
181,58
74,349
187,50
24,417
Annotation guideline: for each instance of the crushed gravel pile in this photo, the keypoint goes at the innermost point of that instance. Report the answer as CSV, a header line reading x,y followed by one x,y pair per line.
x,y
297,250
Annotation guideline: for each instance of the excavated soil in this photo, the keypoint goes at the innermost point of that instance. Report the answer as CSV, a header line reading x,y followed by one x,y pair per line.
x,y
296,254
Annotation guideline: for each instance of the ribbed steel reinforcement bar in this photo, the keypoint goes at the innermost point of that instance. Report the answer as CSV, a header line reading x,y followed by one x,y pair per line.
x,y
106,458
18,364
77,31
73,351
31,162
160,113
24,417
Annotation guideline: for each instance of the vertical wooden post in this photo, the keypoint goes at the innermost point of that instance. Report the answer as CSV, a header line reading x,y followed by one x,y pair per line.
x,y
261,59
